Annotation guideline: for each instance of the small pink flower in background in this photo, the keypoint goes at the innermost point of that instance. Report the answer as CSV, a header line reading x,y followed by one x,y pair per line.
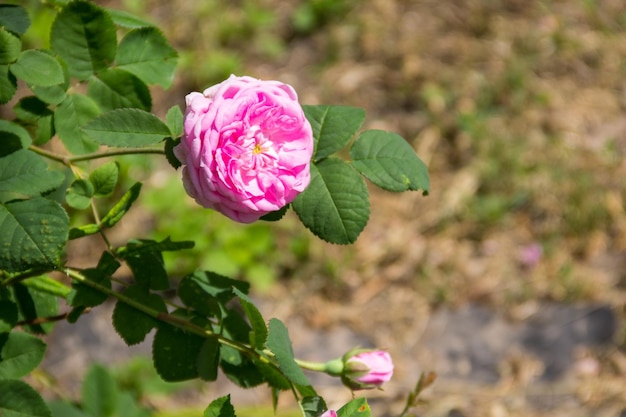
x,y
329,413
246,147
367,369
530,255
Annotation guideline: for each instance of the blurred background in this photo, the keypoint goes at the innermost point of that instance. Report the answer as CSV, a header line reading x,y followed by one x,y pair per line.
x,y
508,280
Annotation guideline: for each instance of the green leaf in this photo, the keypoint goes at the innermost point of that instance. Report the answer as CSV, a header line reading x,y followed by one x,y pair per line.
x,y
279,343
20,353
174,120
131,324
32,234
122,206
149,270
388,161
54,94
169,152
245,375
335,205
84,295
220,407
79,194
18,399
25,174
355,408
146,53
14,18
275,216
38,68
99,393
204,290
313,406
208,359
104,178
82,231
108,264
333,127
115,88
175,353
127,128
145,245
10,47
34,303
10,129
8,84
126,20
45,284
83,35
259,329
8,315
75,110
63,409
30,109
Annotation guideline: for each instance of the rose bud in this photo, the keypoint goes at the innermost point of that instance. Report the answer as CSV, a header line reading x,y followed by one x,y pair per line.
x,y
329,413
246,148
366,369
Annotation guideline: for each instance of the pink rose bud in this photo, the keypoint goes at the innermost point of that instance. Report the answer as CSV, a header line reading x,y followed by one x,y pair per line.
x,y
246,147
329,413
367,369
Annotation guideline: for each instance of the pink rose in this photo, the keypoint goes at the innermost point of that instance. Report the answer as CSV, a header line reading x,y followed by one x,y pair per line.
x,y
367,369
329,413
246,147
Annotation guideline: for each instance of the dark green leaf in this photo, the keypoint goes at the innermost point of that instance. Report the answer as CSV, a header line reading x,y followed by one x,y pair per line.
x,y
259,329
333,127
127,128
174,120
31,109
204,290
169,152
84,295
34,303
99,395
10,47
146,53
14,18
79,194
355,408
276,215
388,161
208,359
273,376
8,84
136,246
122,206
108,264
84,36
20,353
245,375
8,315
75,111
279,343
335,205
32,234
149,270
220,407
175,353
115,88
38,68
131,324
127,20
18,399
25,174
8,128
313,406
104,178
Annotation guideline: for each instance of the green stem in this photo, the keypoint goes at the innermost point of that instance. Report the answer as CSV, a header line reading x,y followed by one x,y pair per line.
x,y
311,366
69,160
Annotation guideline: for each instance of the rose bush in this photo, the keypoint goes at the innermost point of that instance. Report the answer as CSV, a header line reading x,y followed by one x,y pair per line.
x,y
246,147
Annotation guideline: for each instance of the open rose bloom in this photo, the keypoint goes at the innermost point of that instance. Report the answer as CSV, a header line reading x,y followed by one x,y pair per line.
x,y
246,147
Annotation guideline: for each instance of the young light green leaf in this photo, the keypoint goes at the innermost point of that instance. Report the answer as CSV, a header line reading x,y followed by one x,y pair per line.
x,y
122,206
104,178
174,120
175,353
20,353
208,359
83,230
45,284
83,35
10,47
127,128
32,234
388,161
333,127
18,399
355,408
115,88
8,84
279,343
79,193
75,111
259,330
127,20
99,393
24,174
313,406
38,68
14,18
335,205
220,407
146,53
131,324
8,315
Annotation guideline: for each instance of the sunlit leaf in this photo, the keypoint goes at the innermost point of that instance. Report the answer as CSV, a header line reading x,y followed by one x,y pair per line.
x,y
333,127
